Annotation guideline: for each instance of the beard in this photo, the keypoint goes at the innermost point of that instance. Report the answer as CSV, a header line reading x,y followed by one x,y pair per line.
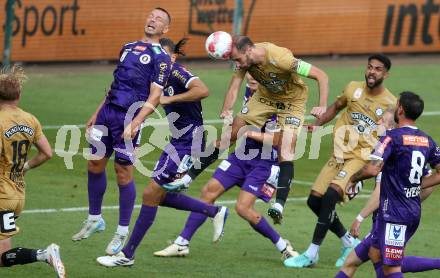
x,y
377,83
396,118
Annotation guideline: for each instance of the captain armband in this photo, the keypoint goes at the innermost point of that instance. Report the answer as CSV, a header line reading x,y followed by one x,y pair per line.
x,y
302,68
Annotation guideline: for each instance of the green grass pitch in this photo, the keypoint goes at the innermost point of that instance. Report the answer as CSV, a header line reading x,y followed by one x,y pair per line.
x,y
64,97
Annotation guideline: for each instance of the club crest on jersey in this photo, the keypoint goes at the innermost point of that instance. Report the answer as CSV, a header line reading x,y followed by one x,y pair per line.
x,y
395,235
19,129
357,93
145,59
379,112
170,91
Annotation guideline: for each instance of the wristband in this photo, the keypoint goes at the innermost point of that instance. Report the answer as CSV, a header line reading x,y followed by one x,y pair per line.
x,y
359,218
26,167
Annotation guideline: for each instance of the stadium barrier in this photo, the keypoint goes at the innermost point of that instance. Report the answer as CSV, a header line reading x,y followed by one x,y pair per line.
x,y
80,30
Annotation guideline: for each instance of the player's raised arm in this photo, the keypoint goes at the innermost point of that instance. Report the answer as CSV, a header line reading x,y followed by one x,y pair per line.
x,y
308,70
231,95
197,90
146,110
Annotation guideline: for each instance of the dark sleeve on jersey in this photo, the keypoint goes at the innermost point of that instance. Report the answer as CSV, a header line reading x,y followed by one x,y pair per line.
x,y
383,149
162,67
434,156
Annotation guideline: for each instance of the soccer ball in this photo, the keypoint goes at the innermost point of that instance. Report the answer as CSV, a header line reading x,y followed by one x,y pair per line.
x,y
219,45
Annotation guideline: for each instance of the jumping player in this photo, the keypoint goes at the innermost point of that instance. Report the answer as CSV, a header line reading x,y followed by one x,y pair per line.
x,y
256,176
182,95
402,156
281,92
19,131
140,75
365,104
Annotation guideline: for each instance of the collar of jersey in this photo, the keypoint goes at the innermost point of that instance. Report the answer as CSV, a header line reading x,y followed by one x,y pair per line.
x,y
411,126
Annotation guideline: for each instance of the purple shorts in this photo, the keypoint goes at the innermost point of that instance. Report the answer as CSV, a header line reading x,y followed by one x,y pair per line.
x,y
106,135
166,169
362,249
250,175
391,238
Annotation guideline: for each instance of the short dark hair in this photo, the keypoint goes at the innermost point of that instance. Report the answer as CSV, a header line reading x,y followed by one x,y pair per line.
x,y
412,105
383,59
165,11
11,82
242,43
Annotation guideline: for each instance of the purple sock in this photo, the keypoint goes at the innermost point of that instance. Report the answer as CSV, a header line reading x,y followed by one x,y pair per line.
x,y
379,270
194,221
419,264
143,223
183,202
266,230
96,186
127,196
395,275
341,274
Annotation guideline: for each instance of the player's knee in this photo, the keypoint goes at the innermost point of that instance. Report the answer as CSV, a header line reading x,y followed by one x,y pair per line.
x,y
332,196
207,196
242,210
151,196
314,203
123,174
96,166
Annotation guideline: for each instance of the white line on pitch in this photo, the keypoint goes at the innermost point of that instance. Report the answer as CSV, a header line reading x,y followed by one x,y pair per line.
x,y
215,121
225,202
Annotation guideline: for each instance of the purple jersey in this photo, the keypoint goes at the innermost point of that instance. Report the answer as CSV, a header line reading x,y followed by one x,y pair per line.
x,y
189,113
405,152
140,64
247,95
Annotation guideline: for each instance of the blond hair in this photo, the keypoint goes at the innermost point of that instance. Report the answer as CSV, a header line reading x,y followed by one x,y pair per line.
x,y
11,82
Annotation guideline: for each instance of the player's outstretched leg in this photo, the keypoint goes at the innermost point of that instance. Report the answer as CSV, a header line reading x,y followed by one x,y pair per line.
x,y
154,195
21,256
180,247
245,209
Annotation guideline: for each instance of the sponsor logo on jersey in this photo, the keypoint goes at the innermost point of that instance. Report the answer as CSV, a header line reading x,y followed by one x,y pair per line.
x,y
411,140
176,73
395,234
362,123
268,190
276,104
19,129
393,253
145,59
162,69
140,48
293,121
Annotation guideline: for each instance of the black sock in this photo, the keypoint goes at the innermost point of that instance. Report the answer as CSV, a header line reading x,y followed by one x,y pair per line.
x,y
19,256
336,227
326,215
284,180
204,163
